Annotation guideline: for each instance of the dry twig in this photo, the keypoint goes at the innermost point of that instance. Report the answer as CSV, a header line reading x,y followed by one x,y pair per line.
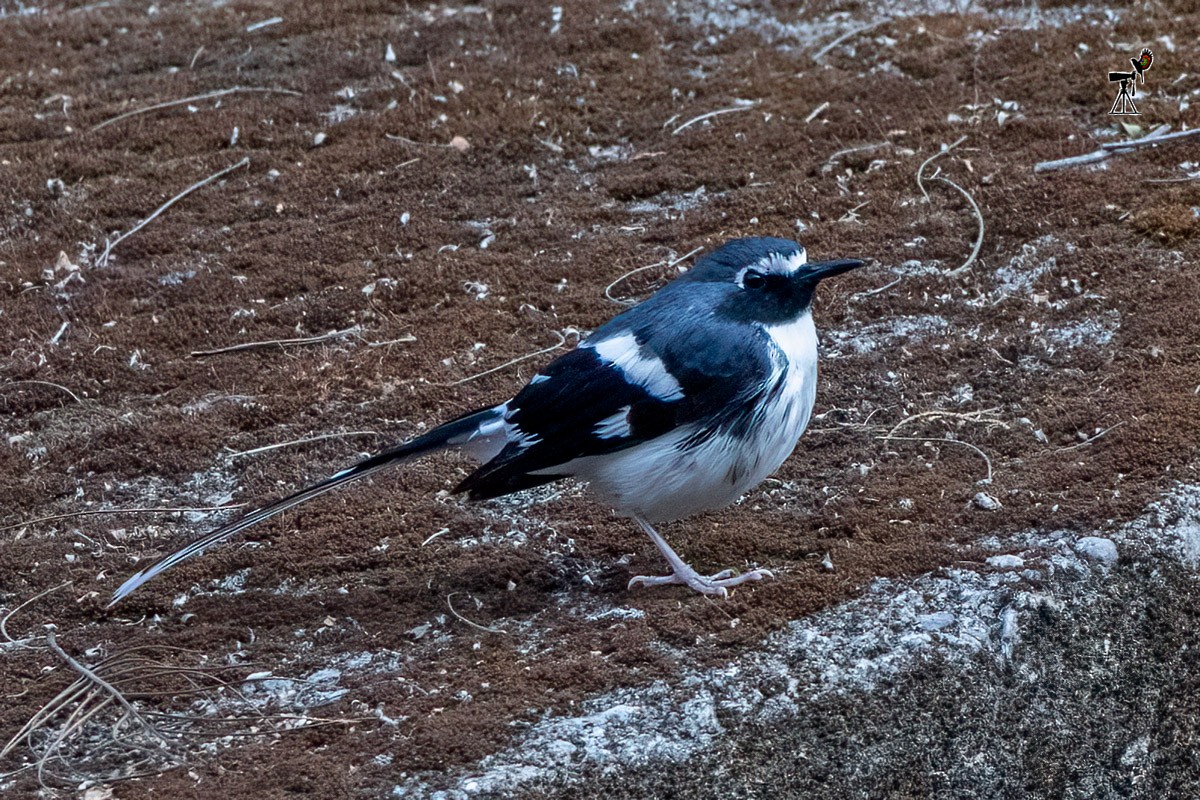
x,y
108,246
1107,150
234,348
103,684
1150,140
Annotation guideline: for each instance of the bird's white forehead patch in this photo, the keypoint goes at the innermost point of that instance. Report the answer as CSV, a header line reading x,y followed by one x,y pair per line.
x,y
781,263
640,367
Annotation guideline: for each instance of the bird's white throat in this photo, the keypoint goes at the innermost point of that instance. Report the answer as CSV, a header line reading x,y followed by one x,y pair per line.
x,y
796,345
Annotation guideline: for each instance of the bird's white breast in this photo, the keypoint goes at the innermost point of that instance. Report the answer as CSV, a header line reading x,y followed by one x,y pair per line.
x,y
664,480
787,415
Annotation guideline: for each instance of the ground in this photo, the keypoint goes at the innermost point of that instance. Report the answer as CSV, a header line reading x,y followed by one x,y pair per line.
x,y
436,199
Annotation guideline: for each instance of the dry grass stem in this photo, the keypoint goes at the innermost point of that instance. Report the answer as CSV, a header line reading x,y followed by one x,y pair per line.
x,y
195,99
4,621
816,112
435,535
397,138
710,115
278,445
966,265
74,396
946,440
833,159
1090,440
405,339
70,742
562,339
946,148
847,36
625,301
968,416
475,625
870,292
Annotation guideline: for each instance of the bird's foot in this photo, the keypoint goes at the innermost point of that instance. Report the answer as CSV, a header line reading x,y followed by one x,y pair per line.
x,y
714,585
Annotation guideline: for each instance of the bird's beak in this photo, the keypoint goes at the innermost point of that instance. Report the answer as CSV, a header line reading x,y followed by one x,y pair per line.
x,y
819,270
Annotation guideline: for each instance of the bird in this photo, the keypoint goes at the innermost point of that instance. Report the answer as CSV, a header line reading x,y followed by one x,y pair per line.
x,y
679,405
1142,63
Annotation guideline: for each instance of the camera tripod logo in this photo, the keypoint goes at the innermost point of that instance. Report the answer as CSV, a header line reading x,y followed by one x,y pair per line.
x,y
1123,106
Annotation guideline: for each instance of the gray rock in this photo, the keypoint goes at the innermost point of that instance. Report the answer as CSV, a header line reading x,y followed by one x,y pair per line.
x,y
1097,548
935,621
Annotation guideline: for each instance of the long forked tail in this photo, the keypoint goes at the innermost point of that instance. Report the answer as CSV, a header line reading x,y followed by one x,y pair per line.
x,y
460,431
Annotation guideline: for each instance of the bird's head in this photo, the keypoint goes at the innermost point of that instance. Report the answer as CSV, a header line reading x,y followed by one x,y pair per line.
x,y
765,280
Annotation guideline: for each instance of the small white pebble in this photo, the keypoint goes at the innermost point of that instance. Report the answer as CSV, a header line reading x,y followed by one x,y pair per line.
x,y
987,502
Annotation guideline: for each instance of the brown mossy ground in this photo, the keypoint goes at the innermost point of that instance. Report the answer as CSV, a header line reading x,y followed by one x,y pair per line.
x,y
573,168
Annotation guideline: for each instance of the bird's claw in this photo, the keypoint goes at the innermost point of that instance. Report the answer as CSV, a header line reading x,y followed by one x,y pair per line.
x,y
714,585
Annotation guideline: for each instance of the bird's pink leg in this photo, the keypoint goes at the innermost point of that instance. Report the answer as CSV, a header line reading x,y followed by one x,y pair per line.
x,y
682,573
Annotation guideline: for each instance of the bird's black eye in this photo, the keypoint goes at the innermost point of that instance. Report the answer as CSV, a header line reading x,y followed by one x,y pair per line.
x,y
753,279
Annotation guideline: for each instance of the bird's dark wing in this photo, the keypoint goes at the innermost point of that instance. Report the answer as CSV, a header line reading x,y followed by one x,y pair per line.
x,y
618,389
